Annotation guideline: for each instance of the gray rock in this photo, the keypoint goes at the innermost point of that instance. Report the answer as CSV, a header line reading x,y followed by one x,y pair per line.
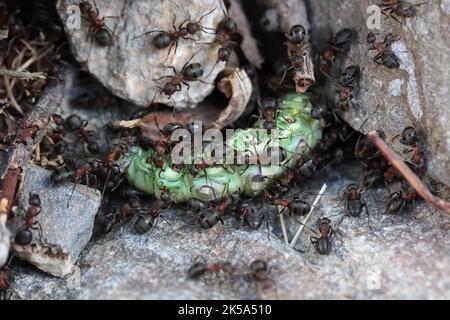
x,y
405,256
66,226
415,94
129,66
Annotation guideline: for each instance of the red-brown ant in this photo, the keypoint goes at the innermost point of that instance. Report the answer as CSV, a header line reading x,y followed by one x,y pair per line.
x,y
337,45
225,37
349,85
189,72
269,114
354,202
323,243
298,41
401,8
146,217
211,216
199,269
260,272
384,55
25,235
411,138
101,33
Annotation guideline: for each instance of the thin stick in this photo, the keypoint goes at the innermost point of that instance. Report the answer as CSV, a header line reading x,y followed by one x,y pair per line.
x,y
22,74
303,224
283,225
408,174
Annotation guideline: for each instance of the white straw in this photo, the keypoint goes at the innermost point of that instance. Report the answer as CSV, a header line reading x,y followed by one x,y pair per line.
x,y
283,225
303,224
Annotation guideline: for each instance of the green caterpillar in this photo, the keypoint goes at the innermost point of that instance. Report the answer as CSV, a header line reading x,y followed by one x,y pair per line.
x,y
297,133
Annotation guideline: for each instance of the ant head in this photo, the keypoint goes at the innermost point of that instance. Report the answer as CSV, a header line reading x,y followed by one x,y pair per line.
x,y
85,7
269,103
352,187
371,38
350,74
228,25
209,218
193,70
409,136
319,111
258,266
343,37
169,128
192,27
296,34
224,53
34,200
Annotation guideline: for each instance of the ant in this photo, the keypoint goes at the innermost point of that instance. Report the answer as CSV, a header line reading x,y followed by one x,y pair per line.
x,y
349,82
410,137
297,39
189,72
226,38
399,199
146,219
100,33
354,202
199,269
165,39
25,236
401,8
323,243
260,272
269,114
296,205
338,44
384,55
250,216
211,216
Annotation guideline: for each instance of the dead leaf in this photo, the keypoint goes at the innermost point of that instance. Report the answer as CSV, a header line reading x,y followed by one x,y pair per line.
x,y
238,86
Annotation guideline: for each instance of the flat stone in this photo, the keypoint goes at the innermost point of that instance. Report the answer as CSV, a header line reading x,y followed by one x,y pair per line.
x,y
129,66
405,256
66,226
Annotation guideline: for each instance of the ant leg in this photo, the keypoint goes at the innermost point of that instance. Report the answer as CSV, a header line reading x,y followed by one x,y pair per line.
x,y
285,73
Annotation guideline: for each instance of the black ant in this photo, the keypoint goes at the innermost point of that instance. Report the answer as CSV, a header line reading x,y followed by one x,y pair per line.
x,y
298,41
25,235
269,114
189,72
166,39
399,199
410,137
260,272
226,38
354,202
250,216
146,217
401,8
337,45
384,55
323,243
199,269
349,84
101,33
295,204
